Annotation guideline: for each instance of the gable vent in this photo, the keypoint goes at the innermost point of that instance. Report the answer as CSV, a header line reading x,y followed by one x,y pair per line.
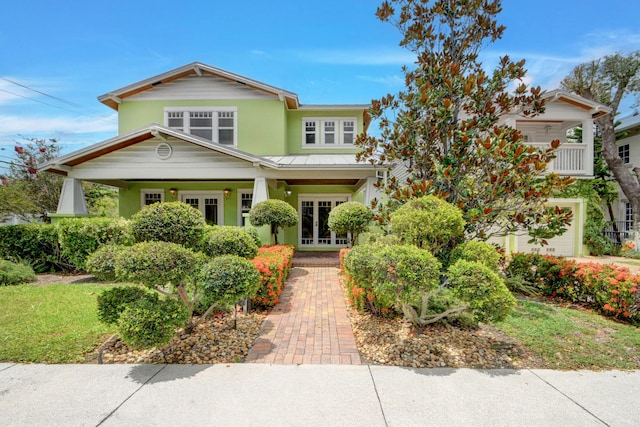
x,y
164,151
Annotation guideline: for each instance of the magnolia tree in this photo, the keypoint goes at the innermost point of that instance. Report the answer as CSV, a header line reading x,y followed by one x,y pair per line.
x,y
444,127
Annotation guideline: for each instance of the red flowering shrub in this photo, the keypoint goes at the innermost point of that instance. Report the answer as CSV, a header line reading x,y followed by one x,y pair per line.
x,y
611,289
273,263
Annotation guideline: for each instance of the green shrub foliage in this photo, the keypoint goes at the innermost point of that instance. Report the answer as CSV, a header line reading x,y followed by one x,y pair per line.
x,y
275,213
482,252
482,289
350,217
112,302
174,222
15,273
429,223
147,322
227,279
80,237
102,263
223,240
36,244
156,264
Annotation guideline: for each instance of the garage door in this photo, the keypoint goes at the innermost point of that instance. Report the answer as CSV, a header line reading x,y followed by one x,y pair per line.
x,y
559,246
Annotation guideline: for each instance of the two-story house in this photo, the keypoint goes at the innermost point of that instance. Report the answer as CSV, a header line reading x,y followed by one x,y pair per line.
x,y
222,142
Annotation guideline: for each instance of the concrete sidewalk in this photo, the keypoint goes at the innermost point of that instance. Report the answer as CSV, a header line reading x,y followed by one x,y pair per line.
x,y
312,395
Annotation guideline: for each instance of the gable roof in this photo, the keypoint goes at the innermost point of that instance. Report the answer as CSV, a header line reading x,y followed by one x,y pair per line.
x,y
597,109
63,164
115,97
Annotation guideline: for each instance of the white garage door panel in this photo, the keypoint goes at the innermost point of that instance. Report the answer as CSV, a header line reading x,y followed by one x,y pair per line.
x,y
559,246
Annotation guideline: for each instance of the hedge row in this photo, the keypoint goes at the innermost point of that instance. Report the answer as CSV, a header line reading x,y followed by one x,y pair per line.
x,y
611,289
273,263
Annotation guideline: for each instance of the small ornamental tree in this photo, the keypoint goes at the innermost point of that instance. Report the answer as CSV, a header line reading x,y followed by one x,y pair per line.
x,y
222,240
350,217
174,222
275,213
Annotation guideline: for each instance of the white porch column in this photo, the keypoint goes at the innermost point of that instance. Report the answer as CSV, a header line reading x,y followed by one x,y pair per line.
x,y
587,138
72,198
260,191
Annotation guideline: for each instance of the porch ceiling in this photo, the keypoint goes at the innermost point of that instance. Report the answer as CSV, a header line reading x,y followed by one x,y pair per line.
x,y
321,181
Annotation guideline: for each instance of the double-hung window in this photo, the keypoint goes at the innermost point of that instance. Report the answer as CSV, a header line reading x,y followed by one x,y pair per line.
x,y
217,124
623,152
328,131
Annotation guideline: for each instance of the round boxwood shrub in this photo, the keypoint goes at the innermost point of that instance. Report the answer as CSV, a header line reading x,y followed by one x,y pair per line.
x,y
112,302
429,223
223,240
350,217
482,290
228,278
156,264
80,237
151,323
482,252
12,273
174,222
102,263
275,213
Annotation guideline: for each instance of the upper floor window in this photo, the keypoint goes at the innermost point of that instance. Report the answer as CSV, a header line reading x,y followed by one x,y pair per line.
x,y
328,131
215,124
623,152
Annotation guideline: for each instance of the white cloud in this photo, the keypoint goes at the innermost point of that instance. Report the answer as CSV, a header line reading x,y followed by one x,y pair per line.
x,y
28,125
389,80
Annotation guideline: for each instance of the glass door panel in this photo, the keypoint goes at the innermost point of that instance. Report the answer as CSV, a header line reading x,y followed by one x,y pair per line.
x,y
324,234
307,222
211,211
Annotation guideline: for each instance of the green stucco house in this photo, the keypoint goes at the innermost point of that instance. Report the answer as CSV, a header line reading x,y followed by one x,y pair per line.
x,y
222,142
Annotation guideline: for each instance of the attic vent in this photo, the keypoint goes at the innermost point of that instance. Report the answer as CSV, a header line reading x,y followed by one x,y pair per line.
x,y
163,151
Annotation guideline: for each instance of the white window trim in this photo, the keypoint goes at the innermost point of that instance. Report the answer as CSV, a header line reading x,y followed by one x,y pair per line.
x,y
207,194
628,150
214,109
242,191
320,135
145,191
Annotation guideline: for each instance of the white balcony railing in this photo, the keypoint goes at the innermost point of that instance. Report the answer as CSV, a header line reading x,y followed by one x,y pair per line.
x,y
570,158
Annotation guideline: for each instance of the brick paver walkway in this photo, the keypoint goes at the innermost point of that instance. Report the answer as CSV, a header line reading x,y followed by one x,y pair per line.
x,y
310,325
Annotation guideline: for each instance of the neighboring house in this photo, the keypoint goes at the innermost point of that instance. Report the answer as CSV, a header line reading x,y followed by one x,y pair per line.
x,y
629,152
222,142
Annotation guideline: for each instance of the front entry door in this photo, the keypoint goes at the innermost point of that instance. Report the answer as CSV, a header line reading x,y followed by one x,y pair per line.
x,y
314,222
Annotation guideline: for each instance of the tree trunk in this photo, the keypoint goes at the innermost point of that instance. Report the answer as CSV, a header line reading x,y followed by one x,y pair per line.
x,y
627,180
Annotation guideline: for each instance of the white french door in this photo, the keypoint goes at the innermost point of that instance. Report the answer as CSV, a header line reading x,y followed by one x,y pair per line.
x,y
209,203
313,228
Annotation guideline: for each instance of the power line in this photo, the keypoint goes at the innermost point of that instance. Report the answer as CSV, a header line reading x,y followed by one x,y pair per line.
x,y
110,119
64,101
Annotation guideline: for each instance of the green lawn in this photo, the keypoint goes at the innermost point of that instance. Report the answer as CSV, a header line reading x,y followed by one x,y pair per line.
x,y
50,324
573,339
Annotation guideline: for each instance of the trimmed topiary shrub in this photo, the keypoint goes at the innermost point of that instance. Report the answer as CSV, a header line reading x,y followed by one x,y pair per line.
x,y
112,302
174,222
429,223
223,240
12,273
350,217
36,244
482,252
102,263
275,213
227,279
151,323
156,264
482,290
80,237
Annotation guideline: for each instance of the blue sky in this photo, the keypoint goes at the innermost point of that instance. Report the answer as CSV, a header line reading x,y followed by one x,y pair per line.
x,y
331,51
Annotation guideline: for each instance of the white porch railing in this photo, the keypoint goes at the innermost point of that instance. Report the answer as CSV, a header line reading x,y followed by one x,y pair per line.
x,y
570,158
